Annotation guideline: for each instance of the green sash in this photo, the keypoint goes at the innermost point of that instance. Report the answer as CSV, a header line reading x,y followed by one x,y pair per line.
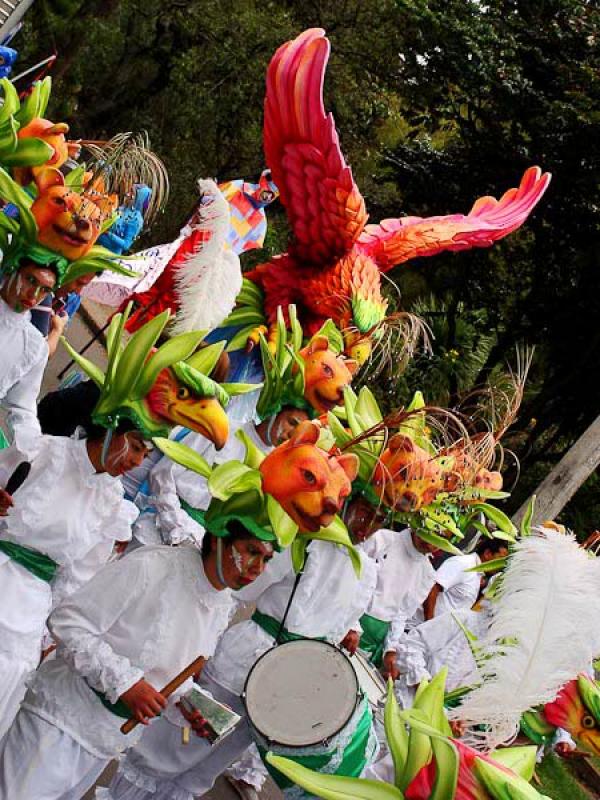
x,y
119,708
271,626
43,567
197,514
373,636
3,440
353,762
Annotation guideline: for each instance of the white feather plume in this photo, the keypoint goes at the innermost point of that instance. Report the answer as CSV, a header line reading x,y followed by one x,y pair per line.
x,y
545,629
209,279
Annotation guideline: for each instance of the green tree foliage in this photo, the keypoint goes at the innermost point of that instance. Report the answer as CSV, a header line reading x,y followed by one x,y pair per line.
x,y
437,102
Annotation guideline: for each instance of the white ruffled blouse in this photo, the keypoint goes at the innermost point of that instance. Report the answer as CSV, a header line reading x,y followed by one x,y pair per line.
x,y
404,579
328,602
170,483
148,616
441,642
23,358
65,510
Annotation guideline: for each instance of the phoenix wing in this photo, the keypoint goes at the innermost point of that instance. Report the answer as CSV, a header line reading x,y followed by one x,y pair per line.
x,y
324,206
396,240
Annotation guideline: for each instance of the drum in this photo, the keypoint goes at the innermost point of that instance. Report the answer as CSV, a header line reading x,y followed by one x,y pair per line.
x,y
370,680
304,702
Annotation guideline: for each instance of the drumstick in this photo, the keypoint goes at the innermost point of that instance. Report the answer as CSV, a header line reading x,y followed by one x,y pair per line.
x,y
167,690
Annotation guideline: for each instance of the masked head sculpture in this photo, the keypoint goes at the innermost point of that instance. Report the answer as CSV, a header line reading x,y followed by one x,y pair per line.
x,y
312,377
326,374
402,476
295,491
577,710
158,389
310,485
69,222
333,265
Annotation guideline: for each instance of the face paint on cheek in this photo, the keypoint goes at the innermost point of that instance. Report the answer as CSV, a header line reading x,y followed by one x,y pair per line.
x,y
15,283
238,560
116,459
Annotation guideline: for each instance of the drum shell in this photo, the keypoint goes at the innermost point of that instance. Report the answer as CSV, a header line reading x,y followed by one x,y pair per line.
x,y
349,749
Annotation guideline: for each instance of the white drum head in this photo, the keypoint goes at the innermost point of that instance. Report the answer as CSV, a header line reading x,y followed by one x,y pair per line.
x,y
301,693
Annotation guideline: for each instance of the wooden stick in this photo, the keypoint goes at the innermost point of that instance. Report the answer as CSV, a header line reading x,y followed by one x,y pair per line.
x,y
167,690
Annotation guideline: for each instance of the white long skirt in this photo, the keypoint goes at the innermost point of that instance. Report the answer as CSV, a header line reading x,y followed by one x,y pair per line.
x,y
38,761
25,606
160,767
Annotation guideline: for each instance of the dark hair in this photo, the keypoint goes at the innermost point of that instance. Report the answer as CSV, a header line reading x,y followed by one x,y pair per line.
x,y
237,532
493,545
61,412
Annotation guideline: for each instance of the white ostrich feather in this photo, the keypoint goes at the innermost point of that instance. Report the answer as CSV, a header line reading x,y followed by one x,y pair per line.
x,y
209,279
545,629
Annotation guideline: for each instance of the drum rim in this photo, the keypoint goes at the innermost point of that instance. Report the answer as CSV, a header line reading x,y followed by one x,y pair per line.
x,y
358,696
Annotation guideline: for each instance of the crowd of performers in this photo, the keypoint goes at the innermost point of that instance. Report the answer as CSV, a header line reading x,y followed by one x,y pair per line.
x,y
220,462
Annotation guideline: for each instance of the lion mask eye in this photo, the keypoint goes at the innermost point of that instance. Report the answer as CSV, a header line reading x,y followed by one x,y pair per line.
x,y
309,477
183,393
588,722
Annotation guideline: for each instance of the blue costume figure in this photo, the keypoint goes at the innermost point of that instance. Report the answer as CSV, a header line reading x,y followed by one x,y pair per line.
x,y
130,221
8,56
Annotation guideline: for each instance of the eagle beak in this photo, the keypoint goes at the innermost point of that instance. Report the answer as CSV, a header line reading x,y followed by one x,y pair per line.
x,y
212,422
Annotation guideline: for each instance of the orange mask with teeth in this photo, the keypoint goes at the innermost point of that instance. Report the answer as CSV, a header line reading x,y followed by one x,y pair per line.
x,y
325,374
69,223
309,484
407,477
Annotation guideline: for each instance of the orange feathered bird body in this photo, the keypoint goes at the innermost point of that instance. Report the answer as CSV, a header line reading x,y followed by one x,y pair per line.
x,y
333,265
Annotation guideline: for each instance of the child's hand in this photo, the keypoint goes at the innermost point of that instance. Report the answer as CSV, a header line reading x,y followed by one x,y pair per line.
x,y
144,701
197,722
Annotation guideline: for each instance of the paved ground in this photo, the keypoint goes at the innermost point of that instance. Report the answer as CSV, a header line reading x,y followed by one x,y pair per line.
x,y
78,334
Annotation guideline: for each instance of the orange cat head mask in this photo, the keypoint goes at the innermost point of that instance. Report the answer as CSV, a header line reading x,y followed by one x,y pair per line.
x,y
309,484
325,374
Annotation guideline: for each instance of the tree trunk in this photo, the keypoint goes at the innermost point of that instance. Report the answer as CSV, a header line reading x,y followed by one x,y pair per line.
x,y
557,488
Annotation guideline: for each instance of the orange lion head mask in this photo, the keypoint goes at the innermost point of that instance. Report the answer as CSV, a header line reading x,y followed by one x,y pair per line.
x,y
309,484
407,477
69,223
326,375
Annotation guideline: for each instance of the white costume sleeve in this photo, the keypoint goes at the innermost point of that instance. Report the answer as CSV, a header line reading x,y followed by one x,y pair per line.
x,y
396,632
10,458
20,400
411,657
79,623
562,736
451,575
168,482
365,589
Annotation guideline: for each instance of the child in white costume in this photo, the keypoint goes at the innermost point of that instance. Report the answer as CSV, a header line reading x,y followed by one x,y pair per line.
x,y
167,521
327,603
23,349
405,577
58,529
130,630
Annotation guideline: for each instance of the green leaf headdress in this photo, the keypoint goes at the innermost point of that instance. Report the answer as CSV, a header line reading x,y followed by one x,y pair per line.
x,y
14,115
284,369
133,368
18,241
236,489
443,520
